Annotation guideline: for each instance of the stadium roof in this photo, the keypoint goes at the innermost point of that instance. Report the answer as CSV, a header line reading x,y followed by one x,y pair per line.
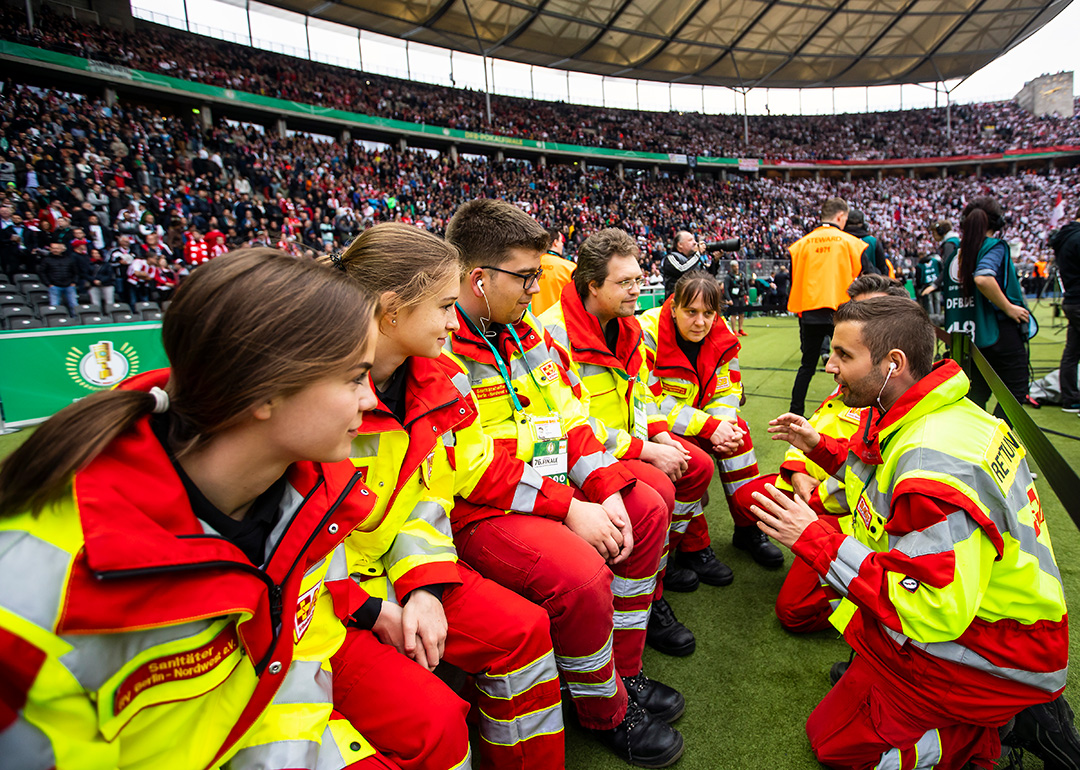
x,y
766,43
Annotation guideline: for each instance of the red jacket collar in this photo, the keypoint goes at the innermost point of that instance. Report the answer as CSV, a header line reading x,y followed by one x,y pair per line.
x,y
587,338
866,443
470,344
719,347
429,396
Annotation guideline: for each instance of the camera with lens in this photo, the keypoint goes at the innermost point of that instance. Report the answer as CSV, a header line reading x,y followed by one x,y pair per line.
x,y
731,244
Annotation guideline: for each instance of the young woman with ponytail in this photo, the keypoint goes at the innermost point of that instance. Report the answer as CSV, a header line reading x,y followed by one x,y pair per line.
x,y
983,298
418,449
171,551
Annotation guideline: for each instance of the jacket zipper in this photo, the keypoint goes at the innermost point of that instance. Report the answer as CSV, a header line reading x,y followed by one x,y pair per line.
x,y
274,590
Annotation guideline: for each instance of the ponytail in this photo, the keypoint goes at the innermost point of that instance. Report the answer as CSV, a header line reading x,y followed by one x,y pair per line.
x,y
40,470
980,216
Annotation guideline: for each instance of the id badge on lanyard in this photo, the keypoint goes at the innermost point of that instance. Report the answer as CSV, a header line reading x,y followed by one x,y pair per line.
x,y
550,456
641,420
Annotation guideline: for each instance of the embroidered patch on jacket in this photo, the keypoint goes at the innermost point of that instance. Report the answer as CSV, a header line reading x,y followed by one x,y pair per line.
x,y
176,667
1003,456
305,611
911,585
492,391
675,390
723,383
851,415
549,370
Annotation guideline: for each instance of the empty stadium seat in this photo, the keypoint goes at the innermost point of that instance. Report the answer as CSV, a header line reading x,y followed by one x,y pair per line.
x,y
25,278
142,307
37,297
52,310
14,324
117,307
152,315
60,320
12,298
33,286
8,312
94,319
125,318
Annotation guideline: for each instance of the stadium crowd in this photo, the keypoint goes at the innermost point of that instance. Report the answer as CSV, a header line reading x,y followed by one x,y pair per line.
x,y
140,172
976,128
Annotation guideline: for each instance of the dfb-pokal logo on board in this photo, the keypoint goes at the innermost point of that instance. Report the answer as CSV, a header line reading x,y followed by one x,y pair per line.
x,y
102,365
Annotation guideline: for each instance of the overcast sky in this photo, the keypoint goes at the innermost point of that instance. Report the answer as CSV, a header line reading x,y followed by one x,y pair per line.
x,y
1053,48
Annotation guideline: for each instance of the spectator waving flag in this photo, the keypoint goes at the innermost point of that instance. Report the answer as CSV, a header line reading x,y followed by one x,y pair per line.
x,y
1058,213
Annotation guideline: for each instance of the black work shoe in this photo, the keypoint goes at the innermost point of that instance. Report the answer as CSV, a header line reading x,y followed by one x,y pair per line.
x,y
757,544
709,569
643,740
657,698
838,670
1048,732
666,634
680,579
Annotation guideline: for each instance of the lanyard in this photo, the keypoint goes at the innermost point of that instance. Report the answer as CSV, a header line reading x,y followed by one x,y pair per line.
x,y
498,359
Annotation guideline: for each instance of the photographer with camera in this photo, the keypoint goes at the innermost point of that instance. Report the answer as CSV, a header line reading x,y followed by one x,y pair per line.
x,y
690,254
823,263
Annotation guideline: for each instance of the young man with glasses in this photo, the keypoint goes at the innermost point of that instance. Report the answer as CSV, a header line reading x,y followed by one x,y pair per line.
x,y
599,340
587,548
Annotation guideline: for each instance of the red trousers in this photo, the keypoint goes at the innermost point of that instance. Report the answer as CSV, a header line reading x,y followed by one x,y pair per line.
x,y
413,718
598,614
689,530
805,601
866,722
736,469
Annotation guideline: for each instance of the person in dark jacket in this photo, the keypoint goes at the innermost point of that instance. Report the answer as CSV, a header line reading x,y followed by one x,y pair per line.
x,y
59,271
100,278
874,259
1066,245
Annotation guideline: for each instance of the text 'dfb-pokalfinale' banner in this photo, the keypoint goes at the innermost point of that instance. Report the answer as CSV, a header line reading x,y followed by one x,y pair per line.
x,y
44,370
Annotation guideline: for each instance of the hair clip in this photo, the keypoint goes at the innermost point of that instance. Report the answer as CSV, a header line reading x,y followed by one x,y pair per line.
x,y
335,259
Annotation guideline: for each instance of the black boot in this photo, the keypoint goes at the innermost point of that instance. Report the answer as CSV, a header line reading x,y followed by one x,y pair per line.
x,y
1048,732
657,698
666,634
757,544
680,579
709,569
838,669
643,740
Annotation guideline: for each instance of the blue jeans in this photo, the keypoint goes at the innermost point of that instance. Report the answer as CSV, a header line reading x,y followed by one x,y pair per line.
x,y
71,298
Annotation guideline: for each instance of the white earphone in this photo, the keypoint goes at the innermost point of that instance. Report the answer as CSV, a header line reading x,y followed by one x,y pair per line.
x,y
892,366
480,285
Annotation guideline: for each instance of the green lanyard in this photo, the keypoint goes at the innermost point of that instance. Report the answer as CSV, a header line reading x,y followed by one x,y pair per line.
x,y
498,359
541,391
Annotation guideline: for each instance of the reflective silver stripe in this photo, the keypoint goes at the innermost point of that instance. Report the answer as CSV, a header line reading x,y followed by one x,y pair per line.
x,y
538,355
40,568
366,445
612,440
527,488
26,747
664,557
449,439
890,760
733,365
329,754
730,401
629,587
738,462
290,503
679,525
730,487
631,620
279,755
461,382
605,689
558,333
479,372
507,686
432,513
586,664
339,565
512,732
648,339
465,764
589,371
93,659
682,420
406,545
845,567
575,381
928,750
306,682
937,538
686,510
1050,681
589,464
669,404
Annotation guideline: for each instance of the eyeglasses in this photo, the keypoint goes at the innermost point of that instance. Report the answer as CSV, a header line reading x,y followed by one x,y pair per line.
x,y
630,283
528,280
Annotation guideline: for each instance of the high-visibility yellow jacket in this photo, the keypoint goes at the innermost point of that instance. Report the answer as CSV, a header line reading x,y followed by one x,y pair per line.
x,y
950,555
695,399
833,418
615,386
543,389
417,469
134,636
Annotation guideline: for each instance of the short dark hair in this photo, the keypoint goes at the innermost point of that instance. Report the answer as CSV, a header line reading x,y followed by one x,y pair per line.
x,y
941,228
833,206
596,252
484,230
873,283
893,323
694,284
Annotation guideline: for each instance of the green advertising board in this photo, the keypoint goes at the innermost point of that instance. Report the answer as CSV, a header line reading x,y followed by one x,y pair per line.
x,y
42,371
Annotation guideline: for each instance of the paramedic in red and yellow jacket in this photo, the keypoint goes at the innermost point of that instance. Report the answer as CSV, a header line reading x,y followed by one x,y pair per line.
x,y
172,560
418,448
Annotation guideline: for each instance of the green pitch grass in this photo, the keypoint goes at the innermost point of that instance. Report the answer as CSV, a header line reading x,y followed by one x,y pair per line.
x,y
750,685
